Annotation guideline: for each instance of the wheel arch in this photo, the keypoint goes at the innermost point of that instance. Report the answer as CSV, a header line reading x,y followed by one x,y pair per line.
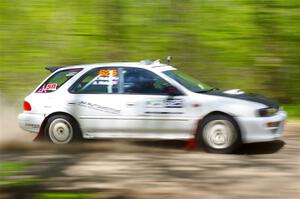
x,y
200,122
44,123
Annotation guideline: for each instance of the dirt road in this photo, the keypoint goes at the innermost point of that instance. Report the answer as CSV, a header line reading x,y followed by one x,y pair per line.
x,y
140,169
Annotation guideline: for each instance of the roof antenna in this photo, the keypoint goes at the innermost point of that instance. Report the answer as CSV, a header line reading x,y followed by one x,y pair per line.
x,y
169,59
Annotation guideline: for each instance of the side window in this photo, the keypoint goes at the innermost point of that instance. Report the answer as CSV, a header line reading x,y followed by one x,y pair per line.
x,y
97,81
141,81
57,80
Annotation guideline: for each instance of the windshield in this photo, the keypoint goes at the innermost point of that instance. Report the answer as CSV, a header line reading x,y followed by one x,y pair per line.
x,y
187,81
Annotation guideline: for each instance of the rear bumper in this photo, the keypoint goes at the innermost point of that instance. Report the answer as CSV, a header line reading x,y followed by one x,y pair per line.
x,y
255,129
30,122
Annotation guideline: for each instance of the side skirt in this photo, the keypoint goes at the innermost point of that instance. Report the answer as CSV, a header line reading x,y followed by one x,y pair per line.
x,y
166,136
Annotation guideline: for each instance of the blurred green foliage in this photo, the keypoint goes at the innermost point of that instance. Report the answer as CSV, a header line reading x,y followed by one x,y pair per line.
x,y
252,45
9,172
12,168
65,195
293,111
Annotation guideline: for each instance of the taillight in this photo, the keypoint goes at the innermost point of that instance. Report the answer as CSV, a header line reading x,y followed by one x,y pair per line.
x,y
27,106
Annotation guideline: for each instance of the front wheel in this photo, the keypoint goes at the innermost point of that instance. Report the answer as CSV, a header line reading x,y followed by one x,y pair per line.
x,y
61,129
219,134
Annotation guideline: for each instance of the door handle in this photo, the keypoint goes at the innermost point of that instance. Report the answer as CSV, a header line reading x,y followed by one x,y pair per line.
x,y
130,104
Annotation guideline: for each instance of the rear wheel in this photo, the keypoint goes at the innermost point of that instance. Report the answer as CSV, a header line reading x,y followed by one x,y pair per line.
x,y
61,129
219,134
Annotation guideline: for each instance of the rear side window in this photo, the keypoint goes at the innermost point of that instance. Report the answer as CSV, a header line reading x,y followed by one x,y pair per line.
x,y
98,81
57,80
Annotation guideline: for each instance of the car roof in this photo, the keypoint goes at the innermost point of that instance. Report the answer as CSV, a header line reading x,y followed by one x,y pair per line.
x,y
147,64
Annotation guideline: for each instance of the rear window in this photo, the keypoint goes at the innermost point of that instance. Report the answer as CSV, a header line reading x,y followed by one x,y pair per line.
x,y
57,80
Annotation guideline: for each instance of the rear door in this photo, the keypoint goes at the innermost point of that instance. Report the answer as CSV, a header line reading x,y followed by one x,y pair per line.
x,y
96,101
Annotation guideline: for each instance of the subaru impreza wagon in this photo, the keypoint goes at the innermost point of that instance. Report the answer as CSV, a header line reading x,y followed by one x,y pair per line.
x,y
146,100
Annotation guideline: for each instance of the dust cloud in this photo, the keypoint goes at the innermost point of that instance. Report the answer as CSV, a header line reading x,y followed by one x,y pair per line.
x,y
9,129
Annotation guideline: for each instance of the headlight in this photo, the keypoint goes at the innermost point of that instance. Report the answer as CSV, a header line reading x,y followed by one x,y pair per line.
x,y
266,112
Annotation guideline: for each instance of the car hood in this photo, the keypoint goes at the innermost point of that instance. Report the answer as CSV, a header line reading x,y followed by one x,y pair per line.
x,y
237,94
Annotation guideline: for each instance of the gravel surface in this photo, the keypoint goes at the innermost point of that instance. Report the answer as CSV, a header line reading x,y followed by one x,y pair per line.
x,y
161,169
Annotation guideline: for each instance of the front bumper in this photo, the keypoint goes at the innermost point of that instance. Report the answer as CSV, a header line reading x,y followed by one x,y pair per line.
x,y
30,122
255,129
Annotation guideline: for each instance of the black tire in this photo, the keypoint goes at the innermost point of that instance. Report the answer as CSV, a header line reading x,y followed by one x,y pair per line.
x,y
219,133
62,129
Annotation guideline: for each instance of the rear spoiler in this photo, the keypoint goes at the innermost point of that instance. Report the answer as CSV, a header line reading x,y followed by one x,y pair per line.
x,y
52,68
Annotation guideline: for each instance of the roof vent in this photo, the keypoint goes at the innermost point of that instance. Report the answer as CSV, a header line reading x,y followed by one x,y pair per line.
x,y
146,62
149,62
156,62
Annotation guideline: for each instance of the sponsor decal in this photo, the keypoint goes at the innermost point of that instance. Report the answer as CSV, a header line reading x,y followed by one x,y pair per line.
x,y
106,81
32,126
47,87
42,89
157,112
164,103
108,73
51,87
154,103
98,107
174,103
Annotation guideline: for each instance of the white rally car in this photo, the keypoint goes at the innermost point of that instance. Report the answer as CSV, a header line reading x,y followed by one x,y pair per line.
x,y
147,100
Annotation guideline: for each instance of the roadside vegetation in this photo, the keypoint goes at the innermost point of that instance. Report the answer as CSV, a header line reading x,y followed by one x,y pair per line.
x,y
16,179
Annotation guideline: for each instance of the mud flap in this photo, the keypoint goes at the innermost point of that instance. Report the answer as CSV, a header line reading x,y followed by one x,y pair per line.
x,y
40,136
191,144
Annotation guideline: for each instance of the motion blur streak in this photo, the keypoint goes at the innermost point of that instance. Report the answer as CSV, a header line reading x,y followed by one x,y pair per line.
x,y
245,44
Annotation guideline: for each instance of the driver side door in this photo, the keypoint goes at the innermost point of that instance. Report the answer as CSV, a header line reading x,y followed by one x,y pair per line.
x,y
153,111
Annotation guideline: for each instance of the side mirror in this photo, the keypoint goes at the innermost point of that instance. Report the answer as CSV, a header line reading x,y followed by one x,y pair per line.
x,y
172,91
